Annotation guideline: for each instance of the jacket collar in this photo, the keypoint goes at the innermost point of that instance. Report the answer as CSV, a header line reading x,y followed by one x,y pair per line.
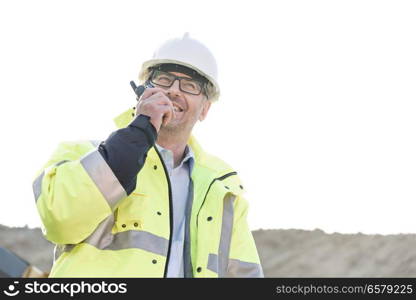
x,y
206,167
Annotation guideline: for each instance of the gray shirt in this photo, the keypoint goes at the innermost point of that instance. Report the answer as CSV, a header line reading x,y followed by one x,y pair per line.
x,y
179,179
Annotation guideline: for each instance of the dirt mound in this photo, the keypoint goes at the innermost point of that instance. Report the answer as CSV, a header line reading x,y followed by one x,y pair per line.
x,y
300,253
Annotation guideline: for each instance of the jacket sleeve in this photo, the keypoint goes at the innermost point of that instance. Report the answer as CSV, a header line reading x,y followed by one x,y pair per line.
x,y
81,185
243,260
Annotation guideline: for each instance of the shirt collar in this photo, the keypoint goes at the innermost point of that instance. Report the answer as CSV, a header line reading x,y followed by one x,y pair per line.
x,y
167,156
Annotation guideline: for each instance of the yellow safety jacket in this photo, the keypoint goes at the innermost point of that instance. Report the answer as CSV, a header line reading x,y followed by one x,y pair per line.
x,y
101,232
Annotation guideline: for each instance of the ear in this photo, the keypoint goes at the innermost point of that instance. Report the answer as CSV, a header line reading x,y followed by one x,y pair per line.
x,y
205,109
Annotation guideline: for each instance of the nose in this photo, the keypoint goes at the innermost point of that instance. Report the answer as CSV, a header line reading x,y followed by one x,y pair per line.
x,y
174,88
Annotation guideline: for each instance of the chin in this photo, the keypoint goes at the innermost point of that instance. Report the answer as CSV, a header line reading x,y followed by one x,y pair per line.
x,y
176,126
173,126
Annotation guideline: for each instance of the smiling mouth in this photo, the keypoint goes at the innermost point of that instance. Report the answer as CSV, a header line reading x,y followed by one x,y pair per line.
x,y
177,108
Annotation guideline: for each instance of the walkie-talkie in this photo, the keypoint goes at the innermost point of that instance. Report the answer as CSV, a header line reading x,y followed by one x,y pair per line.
x,y
138,90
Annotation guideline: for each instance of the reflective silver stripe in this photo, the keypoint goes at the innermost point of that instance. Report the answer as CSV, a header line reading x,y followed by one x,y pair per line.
x,y
129,240
141,240
221,263
103,177
37,186
213,262
238,268
102,237
59,249
226,232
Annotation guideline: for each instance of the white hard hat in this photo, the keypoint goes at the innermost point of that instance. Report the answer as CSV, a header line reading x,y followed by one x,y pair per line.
x,y
187,52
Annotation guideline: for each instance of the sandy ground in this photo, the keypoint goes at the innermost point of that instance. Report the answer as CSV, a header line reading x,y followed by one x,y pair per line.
x,y
300,253
283,253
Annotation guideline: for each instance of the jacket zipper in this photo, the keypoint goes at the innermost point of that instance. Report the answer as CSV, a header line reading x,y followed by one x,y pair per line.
x,y
170,213
218,178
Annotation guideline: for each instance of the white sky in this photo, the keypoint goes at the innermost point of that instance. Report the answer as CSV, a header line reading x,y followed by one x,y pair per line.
x,y
317,111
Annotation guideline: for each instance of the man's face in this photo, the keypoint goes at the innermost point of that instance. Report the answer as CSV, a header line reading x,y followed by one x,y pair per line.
x,y
188,108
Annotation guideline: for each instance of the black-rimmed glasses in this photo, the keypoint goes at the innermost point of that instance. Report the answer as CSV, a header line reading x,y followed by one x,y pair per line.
x,y
186,84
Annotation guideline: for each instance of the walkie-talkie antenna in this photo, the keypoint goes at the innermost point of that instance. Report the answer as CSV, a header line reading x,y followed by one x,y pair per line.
x,y
138,90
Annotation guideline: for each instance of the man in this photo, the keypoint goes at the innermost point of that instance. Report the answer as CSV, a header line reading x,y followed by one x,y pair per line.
x,y
148,201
